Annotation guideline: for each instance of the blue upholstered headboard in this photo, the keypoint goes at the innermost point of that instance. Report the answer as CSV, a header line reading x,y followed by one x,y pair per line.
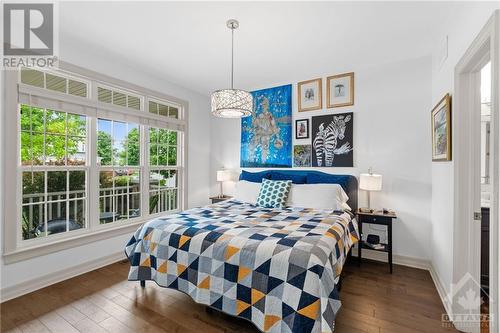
x,y
348,182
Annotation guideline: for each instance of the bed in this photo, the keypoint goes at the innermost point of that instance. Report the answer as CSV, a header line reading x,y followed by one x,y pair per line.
x,y
278,268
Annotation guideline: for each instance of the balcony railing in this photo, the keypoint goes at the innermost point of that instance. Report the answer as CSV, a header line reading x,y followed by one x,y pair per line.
x,y
114,204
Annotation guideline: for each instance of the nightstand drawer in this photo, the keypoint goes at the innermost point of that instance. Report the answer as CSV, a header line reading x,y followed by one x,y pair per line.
x,y
374,219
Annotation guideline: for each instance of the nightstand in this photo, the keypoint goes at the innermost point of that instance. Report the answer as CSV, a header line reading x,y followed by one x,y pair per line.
x,y
217,198
380,219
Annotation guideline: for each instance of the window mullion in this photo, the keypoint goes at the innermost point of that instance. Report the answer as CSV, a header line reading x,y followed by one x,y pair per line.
x,y
93,178
144,163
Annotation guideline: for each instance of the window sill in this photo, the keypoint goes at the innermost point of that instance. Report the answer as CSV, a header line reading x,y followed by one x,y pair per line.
x,y
38,250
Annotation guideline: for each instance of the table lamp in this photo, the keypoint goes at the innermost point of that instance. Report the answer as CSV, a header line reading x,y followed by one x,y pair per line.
x,y
370,182
223,176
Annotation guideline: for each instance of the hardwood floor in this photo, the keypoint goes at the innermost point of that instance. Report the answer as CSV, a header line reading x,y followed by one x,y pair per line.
x,y
373,301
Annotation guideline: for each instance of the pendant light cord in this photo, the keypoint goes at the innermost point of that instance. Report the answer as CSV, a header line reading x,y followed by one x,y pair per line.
x,y
232,56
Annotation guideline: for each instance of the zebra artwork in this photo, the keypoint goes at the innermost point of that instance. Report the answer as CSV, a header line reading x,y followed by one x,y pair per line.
x,y
332,140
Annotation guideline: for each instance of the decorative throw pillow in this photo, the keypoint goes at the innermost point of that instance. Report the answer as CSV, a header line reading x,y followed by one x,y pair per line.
x,y
273,193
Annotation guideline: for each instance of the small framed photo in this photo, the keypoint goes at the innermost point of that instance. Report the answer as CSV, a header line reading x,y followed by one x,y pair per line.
x,y
310,95
340,90
302,156
302,129
441,130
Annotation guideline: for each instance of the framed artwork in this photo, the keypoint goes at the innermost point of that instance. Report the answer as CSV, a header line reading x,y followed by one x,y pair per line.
x,y
302,155
340,90
441,130
310,95
302,129
266,135
332,144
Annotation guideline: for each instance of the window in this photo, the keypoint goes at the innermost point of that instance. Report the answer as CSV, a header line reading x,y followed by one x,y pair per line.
x,y
87,168
53,82
118,98
53,155
163,190
164,110
118,154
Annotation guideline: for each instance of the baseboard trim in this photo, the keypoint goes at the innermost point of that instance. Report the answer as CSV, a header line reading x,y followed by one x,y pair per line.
x,y
441,290
396,259
55,277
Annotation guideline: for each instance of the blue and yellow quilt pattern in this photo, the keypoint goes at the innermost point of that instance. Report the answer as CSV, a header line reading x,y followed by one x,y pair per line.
x,y
275,267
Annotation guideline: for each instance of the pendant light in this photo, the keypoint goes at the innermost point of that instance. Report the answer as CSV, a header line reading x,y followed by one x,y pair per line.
x,y
232,103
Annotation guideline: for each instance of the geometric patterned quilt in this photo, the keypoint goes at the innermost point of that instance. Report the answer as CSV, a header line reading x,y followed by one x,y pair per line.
x,y
277,268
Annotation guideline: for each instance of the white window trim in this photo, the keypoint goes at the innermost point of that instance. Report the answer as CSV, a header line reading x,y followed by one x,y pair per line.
x,y
15,92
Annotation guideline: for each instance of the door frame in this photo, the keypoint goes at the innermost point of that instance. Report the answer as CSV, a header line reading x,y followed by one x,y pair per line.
x,y
466,131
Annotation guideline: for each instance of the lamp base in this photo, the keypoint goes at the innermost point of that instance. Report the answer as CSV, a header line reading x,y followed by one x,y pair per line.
x,y
221,194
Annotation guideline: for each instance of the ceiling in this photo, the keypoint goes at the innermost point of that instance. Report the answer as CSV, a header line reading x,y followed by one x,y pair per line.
x,y
278,42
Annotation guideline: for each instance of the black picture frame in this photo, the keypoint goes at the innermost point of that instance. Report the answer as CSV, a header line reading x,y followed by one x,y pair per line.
x,y
337,129
306,129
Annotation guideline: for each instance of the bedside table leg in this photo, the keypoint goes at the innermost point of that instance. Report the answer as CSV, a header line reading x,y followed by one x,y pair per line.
x,y
390,246
360,229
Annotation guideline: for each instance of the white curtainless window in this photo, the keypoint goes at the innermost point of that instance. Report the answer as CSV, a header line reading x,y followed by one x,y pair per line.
x,y
54,172
89,159
118,157
163,185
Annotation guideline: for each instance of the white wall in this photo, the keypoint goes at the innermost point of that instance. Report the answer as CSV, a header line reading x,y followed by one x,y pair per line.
x,y
391,134
462,26
198,162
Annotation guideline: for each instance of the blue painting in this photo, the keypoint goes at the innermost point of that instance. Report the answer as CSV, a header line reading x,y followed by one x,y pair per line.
x,y
266,135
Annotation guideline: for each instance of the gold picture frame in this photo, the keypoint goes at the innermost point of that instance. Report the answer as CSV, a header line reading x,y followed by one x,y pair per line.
x,y
342,91
310,95
441,130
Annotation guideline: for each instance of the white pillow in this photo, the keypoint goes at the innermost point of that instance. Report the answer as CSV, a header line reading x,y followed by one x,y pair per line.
x,y
246,191
318,196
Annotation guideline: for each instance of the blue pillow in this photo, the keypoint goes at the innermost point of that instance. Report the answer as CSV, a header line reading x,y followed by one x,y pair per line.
x,y
254,177
296,179
273,193
314,178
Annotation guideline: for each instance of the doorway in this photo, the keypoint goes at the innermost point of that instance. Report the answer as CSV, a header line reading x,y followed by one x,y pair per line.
x,y
476,151
486,190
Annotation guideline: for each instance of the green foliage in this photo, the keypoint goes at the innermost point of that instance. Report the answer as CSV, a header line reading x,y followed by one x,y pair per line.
x,y
131,148
64,133
163,147
104,148
121,180
38,125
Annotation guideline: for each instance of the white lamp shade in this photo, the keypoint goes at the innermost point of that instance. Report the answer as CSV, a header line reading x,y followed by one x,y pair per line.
x,y
370,182
223,175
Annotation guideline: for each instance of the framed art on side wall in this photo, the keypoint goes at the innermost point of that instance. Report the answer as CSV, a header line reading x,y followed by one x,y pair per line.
x,y
441,130
340,90
310,95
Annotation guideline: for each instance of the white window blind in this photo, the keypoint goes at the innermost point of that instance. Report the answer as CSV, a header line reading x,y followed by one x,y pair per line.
x,y
50,81
118,98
